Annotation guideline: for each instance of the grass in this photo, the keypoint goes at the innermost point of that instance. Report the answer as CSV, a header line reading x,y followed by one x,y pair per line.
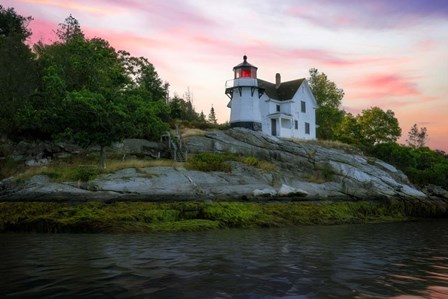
x,y
187,132
210,162
219,162
322,174
9,167
331,144
84,168
148,217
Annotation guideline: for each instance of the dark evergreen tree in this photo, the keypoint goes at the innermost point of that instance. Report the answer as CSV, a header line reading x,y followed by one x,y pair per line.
x,y
212,117
18,70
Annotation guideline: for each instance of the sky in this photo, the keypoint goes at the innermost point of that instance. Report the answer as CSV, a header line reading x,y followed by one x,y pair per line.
x,y
390,54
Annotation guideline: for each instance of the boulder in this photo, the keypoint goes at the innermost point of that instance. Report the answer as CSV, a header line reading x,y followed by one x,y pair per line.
x,y
266,192
286,190
139,147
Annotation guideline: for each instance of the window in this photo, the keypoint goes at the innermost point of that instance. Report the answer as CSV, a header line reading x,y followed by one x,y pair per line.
x,y
296,124
245,73
237,73
303,106
307,128
278,108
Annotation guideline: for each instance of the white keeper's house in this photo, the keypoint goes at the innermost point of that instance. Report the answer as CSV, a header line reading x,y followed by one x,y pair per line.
x,y
283,109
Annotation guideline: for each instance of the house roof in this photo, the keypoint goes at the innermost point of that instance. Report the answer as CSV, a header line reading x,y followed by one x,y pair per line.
x,y
285,91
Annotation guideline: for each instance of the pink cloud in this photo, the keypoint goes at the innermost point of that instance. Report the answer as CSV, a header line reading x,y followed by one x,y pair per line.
x,y
167,14
72,5
384,85
266,50
364,14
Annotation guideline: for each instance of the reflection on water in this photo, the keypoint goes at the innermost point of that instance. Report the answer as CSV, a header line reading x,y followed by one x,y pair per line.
x,y
357,261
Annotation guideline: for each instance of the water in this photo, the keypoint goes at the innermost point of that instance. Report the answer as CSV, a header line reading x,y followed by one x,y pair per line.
x,y
357,261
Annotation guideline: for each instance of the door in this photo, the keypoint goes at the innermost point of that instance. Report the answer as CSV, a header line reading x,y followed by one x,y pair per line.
x,y
273,127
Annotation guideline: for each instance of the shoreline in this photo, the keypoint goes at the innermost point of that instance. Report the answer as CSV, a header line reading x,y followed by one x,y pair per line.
x,y
150,217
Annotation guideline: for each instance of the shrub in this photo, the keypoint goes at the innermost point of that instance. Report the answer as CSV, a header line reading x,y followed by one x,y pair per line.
x,y
85,174
9,167
209,162
251,161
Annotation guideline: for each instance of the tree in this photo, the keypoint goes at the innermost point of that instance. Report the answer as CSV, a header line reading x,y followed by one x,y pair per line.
x,y
212,117
69,30
202,117
88,96
18,72
377,126
91,119
144,77
12,24
329,98
417,138
349,130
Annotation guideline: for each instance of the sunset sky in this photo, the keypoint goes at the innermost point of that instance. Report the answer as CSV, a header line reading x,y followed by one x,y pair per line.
x,y
391,54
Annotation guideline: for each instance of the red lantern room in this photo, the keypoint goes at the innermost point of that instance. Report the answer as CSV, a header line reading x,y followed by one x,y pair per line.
x,y
245,70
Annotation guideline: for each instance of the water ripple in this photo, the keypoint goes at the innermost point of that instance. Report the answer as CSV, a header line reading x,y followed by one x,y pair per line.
x,y
405,260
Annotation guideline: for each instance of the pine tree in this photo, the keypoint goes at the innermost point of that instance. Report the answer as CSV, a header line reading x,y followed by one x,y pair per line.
x,y
202,117
212,117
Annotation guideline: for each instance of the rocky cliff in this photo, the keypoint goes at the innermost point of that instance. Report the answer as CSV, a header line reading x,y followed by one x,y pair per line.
x,y
302,171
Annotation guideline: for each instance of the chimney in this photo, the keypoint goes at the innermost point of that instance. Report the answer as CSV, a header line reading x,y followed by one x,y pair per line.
x,y
278,80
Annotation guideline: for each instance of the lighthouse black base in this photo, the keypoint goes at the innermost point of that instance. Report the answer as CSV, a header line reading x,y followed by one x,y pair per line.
x,y
254,126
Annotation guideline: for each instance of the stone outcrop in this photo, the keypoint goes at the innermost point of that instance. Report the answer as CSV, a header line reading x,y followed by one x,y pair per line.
x,y
302,171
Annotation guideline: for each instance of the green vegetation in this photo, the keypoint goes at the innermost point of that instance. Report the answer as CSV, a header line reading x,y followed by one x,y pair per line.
x,y
220,162
82,167
374,132
422,165
209,162
329,99
193,216
18,70
82,90
77,168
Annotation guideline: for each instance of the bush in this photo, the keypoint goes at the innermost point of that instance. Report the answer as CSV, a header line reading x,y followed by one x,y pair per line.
x,y
85,174
422,165
209,162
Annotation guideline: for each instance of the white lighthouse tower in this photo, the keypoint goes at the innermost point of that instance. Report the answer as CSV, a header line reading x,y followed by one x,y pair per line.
x,y
245,94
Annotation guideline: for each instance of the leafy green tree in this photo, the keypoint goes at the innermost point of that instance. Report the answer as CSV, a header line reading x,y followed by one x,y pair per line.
x,y
86,64
182,110
212,117
378,126
329,98
18,71
92,119
417,137
144,77
349,130
88,95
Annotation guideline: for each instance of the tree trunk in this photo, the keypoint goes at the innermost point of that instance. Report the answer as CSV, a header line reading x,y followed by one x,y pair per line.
x,y
102,164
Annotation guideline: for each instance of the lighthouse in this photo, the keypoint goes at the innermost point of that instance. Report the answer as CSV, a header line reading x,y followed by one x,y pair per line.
x,y
245,97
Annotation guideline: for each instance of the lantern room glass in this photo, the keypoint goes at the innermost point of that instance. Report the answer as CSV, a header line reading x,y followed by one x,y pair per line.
x,y
245,72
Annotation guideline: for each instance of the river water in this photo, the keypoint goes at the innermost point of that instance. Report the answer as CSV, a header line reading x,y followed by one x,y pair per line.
x,y
347,261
